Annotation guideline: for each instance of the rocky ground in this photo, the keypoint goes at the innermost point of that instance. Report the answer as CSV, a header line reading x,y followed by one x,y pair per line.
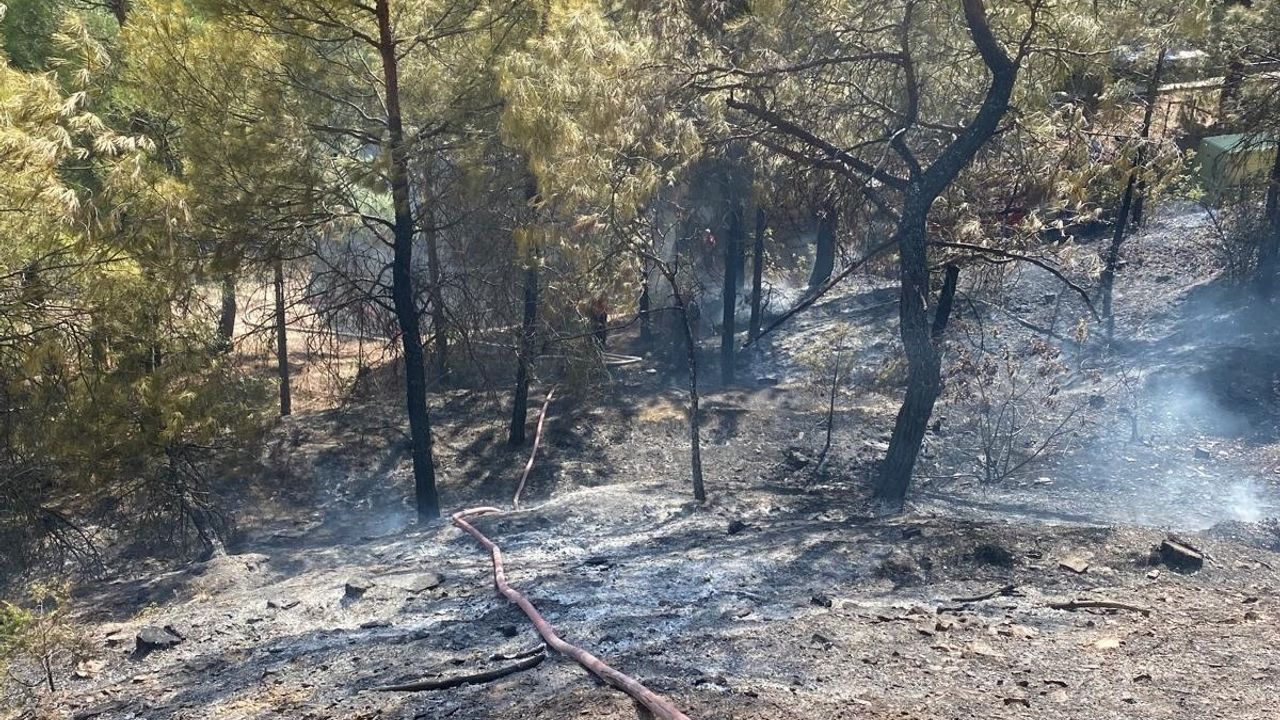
x,y
783,597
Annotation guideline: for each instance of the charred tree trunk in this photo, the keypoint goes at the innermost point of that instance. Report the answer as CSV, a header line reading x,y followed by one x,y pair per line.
x,y
645,305
946,299
757,276
1269,249
520,402
1230,89
924,361
695,413
282,341
824,260
227,314
1106,284
729,317
435,293
402,292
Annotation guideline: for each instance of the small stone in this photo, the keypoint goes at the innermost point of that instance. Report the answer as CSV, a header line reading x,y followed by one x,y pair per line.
x,y
822,600
736,526
508,631
423,582
1203,453
357,587
156,638
282,603
1075,564
371,624
1107,643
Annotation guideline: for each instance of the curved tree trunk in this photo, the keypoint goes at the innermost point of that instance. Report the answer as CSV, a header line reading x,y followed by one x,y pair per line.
x,y
924,361
402,292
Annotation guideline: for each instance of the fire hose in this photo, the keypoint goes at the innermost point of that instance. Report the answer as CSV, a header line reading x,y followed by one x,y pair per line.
x,y
661,707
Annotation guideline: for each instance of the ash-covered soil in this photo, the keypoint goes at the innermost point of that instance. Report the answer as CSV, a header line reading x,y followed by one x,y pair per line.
x,y
783,597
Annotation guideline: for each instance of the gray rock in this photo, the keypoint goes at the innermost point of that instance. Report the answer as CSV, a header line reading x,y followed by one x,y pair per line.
x,y
156,638
356,587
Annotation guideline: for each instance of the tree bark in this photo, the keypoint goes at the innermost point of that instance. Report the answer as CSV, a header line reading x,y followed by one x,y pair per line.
x,y
520,401
1106,284
227,314
282,341
824,259
729,317
402,292
757,276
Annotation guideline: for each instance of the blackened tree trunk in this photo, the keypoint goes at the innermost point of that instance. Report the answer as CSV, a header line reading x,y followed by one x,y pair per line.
x,y
528,327
227,313
924,361
757,276
1269,249
1231,84
946,299
824,259
695,412
691,363
282,341
729,318
645,305
402,292
435,293
1106,284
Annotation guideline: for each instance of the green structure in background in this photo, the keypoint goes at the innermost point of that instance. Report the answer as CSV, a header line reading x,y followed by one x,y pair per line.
x,y
1231,162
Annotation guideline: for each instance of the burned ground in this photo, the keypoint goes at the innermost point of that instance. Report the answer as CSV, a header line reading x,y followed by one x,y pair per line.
x,y
784,597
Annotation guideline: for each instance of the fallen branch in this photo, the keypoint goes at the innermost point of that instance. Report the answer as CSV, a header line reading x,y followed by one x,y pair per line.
x,y
537,440
1006,591
1106,604
661,708
470,679
1084,295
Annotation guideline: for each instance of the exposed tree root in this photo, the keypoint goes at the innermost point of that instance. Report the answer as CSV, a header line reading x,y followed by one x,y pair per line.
x,y
662,708
470,679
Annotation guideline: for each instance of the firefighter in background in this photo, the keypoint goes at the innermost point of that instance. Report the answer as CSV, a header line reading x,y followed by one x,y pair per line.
x,y
599,314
